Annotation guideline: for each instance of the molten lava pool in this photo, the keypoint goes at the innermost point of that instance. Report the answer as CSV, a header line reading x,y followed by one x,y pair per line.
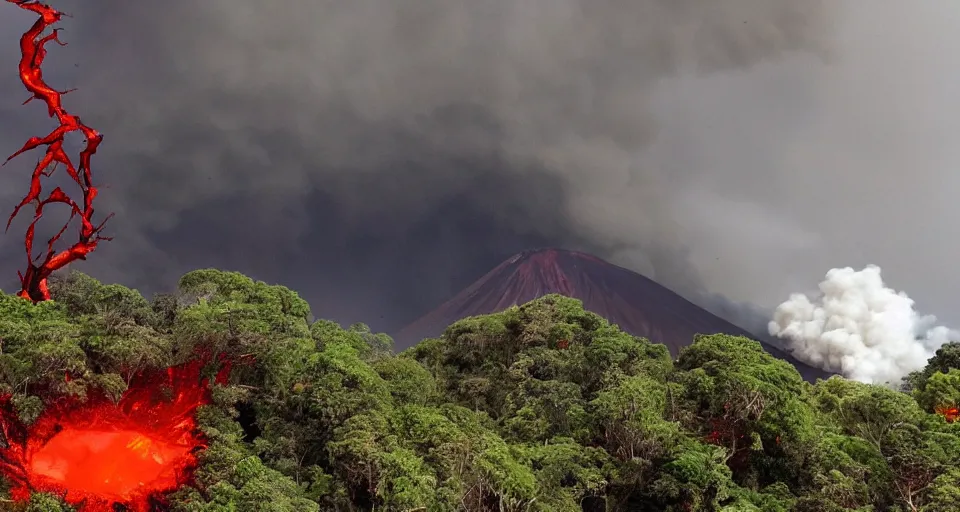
x,y
98,453
117,465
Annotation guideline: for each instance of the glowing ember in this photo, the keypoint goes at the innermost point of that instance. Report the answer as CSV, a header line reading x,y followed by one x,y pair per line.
x,y
98,453
950,412
33,51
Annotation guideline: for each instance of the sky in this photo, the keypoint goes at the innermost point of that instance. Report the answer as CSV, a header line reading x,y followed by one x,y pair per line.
x,y
378,157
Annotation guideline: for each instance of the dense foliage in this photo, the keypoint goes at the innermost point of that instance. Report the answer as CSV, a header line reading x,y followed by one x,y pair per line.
x,y
541,407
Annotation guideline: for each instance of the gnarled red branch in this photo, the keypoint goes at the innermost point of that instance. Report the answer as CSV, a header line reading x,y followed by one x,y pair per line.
x,y
33,51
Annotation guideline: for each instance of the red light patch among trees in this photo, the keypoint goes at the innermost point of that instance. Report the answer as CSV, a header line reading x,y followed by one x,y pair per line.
x,y
98,452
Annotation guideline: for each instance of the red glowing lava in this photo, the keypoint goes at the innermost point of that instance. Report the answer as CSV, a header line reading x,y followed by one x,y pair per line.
x,y
951,413
99,453
125,462
33,51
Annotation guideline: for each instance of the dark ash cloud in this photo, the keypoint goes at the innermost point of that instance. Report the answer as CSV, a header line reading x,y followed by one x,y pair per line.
x,y
378,156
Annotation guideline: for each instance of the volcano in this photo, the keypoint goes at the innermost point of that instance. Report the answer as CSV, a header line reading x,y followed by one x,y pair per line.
x,y
637,304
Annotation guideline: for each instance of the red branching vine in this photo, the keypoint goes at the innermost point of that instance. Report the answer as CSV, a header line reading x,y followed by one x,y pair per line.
x,y
33,51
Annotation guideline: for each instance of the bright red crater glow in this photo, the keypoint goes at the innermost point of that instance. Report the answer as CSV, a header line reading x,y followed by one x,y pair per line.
x,y
32,52
116,465
99,453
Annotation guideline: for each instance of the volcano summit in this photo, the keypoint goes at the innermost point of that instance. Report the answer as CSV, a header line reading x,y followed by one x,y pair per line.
x,y
637,304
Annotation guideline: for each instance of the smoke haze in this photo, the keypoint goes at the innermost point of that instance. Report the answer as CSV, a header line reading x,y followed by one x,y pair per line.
x,y
366,152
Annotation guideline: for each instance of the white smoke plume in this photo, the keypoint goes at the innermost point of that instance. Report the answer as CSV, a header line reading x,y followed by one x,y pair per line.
x,y
859,327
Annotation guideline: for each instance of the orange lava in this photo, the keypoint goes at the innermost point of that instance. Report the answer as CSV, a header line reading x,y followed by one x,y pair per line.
x,y
32,52
98,453
118,465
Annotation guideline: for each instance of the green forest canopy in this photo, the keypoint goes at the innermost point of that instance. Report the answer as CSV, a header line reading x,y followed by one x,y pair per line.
x,y
543,407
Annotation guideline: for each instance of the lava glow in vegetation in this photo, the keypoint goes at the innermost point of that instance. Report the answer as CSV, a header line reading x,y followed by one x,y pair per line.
x,y
99,453
950,412
32,52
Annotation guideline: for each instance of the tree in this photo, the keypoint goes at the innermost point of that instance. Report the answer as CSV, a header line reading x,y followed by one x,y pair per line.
x,y
542,407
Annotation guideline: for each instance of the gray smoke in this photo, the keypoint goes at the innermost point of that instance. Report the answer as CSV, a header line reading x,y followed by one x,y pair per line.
x,y
362,151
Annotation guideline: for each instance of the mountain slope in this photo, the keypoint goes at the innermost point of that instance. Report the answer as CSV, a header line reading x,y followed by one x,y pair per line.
x,y
637,304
